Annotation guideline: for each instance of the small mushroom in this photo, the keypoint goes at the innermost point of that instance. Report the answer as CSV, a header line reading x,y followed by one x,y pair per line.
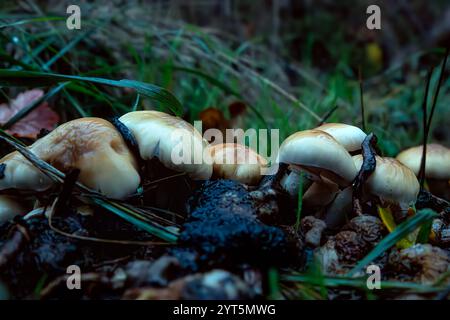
x,y
9,208
437,160
391,181
319,154
349,136
237,162
91,145
175,142
437,168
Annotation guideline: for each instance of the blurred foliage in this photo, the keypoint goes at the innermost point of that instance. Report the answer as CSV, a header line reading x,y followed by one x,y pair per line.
x,y
290,61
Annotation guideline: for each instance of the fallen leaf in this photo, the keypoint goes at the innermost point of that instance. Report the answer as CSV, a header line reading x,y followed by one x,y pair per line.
x,y
28,127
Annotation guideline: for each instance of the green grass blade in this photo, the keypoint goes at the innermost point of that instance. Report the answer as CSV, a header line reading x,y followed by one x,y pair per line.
x,y
158,232
4,24
361,283
66,49
424,232
10,78
301,178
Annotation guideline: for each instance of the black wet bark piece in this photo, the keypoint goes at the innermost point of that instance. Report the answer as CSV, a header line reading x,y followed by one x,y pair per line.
x,y
426,199
222,230
50,253
128,136
66,191
367,168
2,170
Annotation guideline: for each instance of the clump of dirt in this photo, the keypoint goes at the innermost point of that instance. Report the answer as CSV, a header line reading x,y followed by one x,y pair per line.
x,y
222,229
47,253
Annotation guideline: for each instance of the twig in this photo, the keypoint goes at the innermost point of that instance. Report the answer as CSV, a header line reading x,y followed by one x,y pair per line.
x,y
425,134
427,200
328,115
361,97
430,118
367,168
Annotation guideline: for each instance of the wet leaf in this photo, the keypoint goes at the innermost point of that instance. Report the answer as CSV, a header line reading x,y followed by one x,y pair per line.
x,y
42,117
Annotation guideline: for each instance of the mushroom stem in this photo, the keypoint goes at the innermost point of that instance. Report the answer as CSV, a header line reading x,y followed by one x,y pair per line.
x,y
275,180
425,133
367,168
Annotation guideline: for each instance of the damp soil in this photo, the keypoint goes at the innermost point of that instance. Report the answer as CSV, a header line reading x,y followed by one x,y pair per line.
x,y
221,230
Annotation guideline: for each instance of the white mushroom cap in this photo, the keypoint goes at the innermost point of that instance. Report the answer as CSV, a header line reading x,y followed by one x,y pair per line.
x,y
9,208
91,145
23,175
237,162
350,137
164,136
391,181
320,154
437,161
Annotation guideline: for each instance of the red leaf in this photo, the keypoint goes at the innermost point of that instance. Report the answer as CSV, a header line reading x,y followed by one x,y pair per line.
x,y
28,127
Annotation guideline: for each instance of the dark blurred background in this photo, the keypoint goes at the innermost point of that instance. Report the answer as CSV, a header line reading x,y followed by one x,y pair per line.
x,y
290,61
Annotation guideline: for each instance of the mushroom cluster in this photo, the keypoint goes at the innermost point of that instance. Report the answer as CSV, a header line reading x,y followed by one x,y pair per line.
x,y
97,149
330,157
100,151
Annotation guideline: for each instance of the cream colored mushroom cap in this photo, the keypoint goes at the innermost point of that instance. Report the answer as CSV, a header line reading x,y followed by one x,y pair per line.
x,y
175,142
22,175
92,145
9,208
437,160
349,136
237,162
319,153
391,180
